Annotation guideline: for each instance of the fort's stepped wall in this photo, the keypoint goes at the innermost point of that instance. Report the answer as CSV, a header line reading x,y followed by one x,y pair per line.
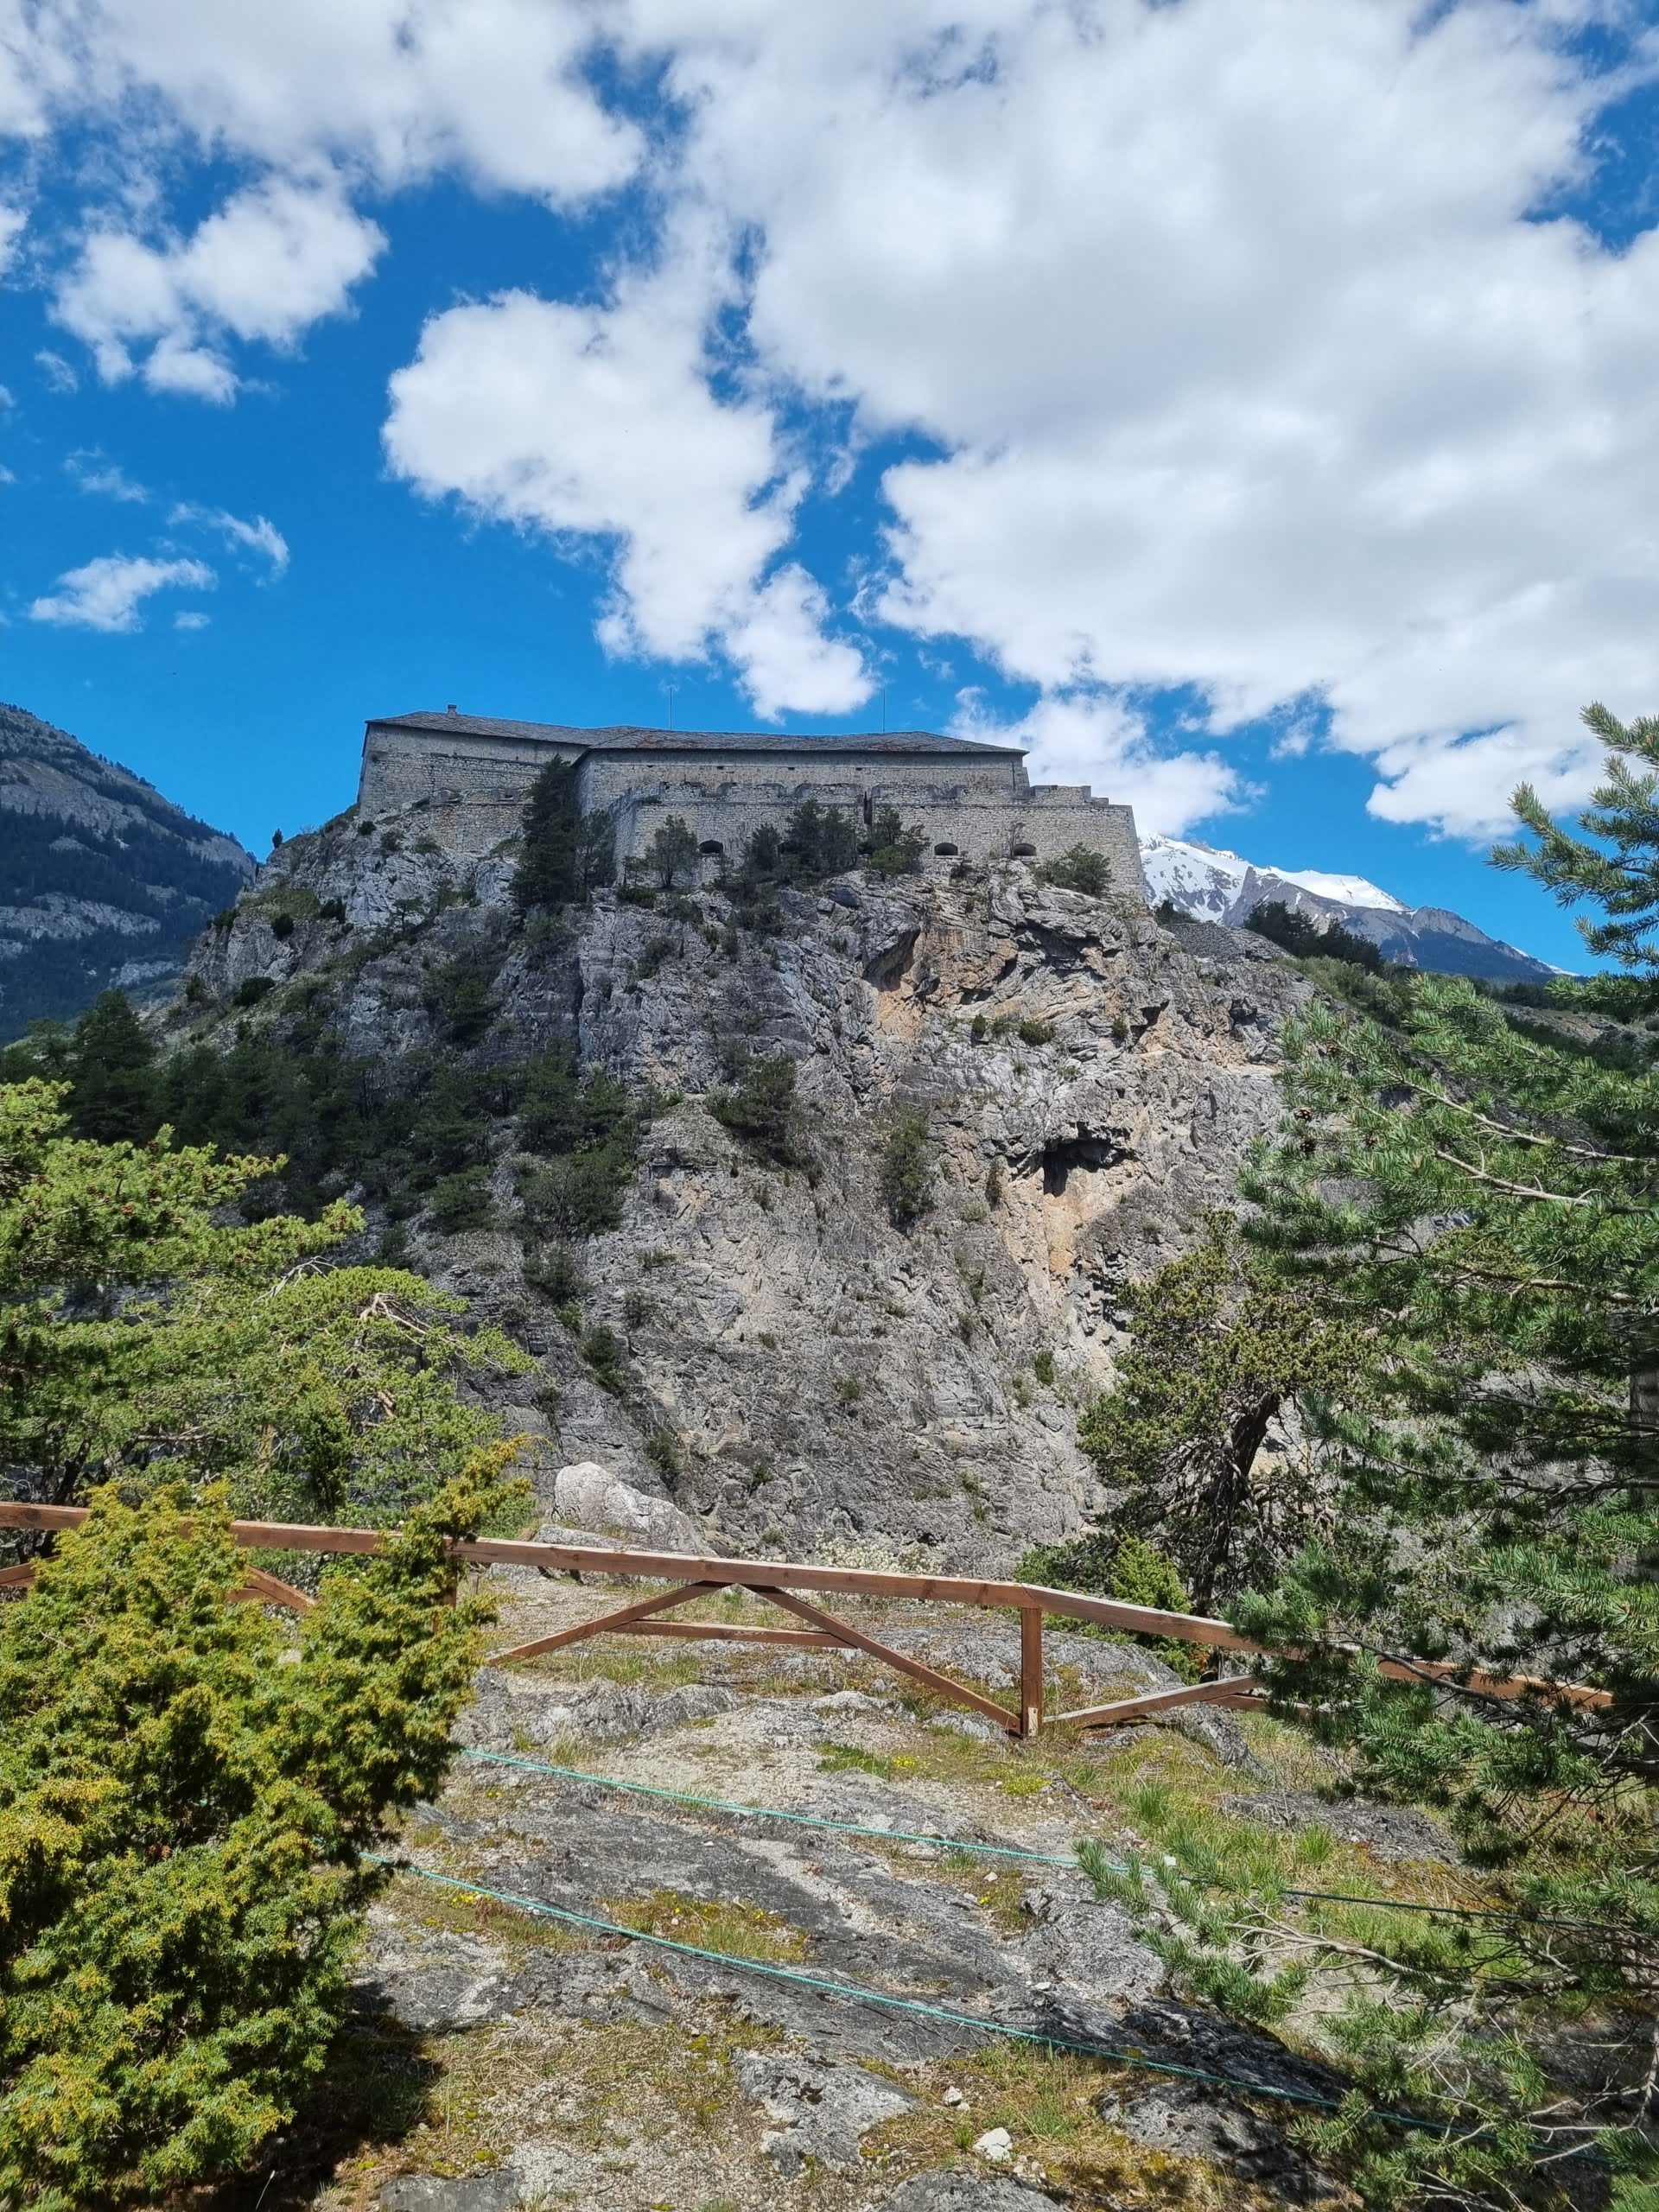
x,y
973,803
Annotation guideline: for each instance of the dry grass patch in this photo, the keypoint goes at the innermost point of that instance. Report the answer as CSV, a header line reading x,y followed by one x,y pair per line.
x,y
723,1924
474,1912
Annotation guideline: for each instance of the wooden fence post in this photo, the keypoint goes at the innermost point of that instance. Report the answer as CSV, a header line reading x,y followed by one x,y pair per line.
x,y
1031,1670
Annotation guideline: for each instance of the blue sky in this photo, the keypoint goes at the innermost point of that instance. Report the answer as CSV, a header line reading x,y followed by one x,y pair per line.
x,y
1251,409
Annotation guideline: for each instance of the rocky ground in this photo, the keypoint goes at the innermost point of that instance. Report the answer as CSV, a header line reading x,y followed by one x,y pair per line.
x,y
504,2060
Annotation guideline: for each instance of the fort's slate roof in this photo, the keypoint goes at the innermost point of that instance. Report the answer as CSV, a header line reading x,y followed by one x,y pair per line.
x,y
625,739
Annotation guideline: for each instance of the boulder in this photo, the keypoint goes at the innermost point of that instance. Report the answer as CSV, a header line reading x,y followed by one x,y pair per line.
x,y
588,1496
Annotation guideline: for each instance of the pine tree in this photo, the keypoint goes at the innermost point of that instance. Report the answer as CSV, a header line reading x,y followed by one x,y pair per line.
x,y
146,1337
185,1830
672,852
566,854
1197,1435
1472,1192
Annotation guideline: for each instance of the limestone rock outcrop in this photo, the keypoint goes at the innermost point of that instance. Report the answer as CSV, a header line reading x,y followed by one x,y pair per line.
x,y
797,1370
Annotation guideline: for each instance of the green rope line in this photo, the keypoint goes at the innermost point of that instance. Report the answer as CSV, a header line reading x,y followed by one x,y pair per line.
x,y
856,1994
769,1813
991,1850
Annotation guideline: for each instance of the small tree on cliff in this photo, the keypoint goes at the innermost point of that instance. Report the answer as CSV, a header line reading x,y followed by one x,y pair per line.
x,y
672,852
1222,1355
567,855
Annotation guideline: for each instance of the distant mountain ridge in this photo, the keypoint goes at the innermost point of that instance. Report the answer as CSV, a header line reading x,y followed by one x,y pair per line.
x,y
104,883
1215,886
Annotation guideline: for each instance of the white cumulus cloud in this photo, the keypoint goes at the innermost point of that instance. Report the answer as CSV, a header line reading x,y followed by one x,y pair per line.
x,y
1083,738
266,266
397,90
108,594
1249,362
1237,348
601,423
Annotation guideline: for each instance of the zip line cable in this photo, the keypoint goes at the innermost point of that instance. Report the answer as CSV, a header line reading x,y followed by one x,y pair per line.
x,y
853,1993
999,1850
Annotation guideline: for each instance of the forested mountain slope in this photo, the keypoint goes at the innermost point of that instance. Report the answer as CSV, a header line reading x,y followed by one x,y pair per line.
x,y
102,881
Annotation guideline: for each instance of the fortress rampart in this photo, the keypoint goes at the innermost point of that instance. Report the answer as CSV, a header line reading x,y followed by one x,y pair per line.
x,y
973,801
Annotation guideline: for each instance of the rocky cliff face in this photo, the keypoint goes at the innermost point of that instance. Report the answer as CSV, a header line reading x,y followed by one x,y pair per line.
x,y
103,882
799,1371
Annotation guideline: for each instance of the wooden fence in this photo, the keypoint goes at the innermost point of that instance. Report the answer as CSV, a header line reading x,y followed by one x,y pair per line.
x,y
780,1583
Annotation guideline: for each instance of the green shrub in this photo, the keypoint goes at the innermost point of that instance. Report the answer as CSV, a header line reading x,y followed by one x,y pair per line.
x,y
1035,1032
1043,1367
894,850
607,1357
1128,1568
252,988
461,1202
563,1109
556,1273
460,993
652,954
816,842
662,1450
1081,868
761,1108
1299,934
907,1168
183,1825
672,852
281,925
579,1195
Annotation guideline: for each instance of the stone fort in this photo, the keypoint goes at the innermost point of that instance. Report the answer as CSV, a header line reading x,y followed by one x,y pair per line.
x,y
973,801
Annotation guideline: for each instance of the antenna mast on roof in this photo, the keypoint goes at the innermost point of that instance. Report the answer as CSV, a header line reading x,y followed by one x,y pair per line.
x,y
670,689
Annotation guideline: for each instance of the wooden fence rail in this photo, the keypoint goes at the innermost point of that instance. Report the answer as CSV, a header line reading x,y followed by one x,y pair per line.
x,y
778,1582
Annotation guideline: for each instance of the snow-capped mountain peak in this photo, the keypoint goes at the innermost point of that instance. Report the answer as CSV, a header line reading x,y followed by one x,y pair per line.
x,y
1347,890
1212,885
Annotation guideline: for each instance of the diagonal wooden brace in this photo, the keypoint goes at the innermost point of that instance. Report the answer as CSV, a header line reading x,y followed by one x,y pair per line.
x,y
638,1611
262,1589
845,1634
18,1577
1235,1689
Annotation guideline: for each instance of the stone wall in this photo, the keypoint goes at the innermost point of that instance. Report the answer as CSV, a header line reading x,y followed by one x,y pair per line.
x,y
474,788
